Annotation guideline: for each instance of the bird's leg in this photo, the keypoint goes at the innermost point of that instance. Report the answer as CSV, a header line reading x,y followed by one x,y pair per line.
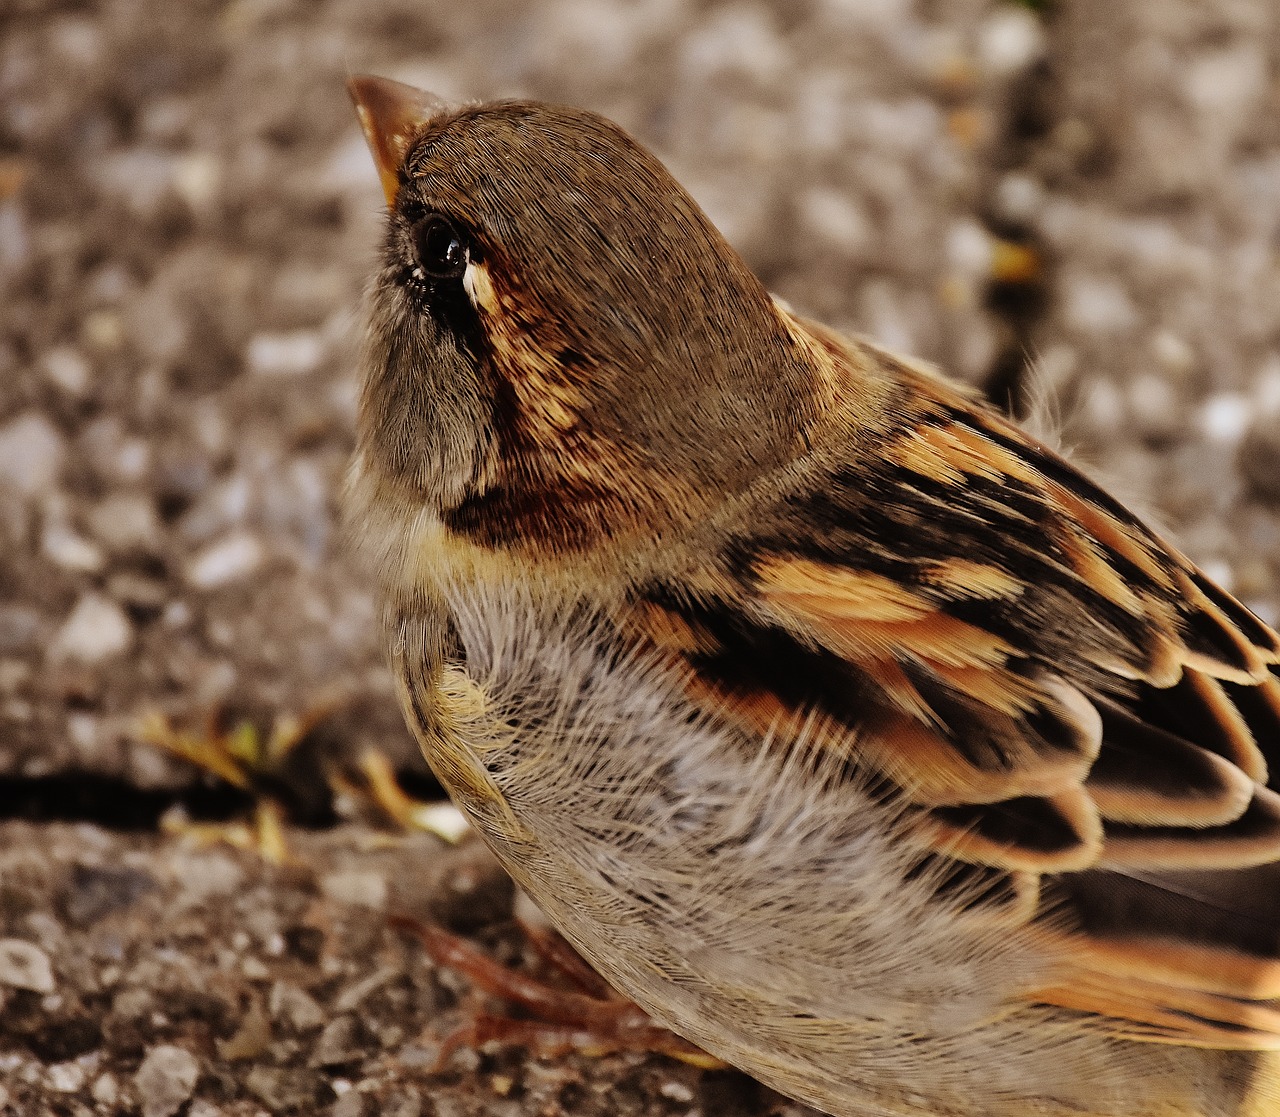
x,y
591,1018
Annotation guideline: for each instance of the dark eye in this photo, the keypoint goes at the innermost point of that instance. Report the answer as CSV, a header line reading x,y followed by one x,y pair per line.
x,y
439,250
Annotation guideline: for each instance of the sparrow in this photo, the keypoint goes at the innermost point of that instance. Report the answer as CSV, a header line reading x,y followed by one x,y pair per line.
x,y
848,730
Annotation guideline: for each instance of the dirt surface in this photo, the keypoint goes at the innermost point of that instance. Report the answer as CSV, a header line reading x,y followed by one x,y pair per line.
x,y
187,214
172,979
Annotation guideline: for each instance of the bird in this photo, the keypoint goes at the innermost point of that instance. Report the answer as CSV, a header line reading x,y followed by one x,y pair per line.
x,y
851,732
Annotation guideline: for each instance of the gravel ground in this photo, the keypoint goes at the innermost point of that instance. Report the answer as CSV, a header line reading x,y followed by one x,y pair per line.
x,y
1078,208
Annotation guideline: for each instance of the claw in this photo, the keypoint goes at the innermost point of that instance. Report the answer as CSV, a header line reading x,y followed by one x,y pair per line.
x,y
591,1019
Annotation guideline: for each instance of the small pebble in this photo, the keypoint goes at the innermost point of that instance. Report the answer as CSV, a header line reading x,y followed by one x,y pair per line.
x,y
251,1038
1018,198
102,330
1173,353
351,1104
291,354
295,1007
205,876
1010,40
676,1091
254,970
837,219
166,1079
197,177
230,559
287,1089
66,1078
97,630
15,239
349,999
1266,389
19,626
31,454
94,892
67,369
14,674
414,1056
359,887
405,1105
23,965
342,1041
1154,406
126,522
65,548
1097,305
969,249
138,592
106,1090
1225,418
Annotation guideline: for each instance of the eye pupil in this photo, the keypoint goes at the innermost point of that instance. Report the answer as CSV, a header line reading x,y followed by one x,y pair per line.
x,y
439,247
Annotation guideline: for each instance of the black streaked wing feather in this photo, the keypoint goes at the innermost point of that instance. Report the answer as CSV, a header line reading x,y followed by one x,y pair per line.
x,y
993,626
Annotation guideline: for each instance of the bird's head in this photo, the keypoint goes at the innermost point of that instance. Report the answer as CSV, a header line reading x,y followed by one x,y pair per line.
x,y
561,346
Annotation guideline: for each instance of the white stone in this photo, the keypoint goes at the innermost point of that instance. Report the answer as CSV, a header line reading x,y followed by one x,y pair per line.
x,y
441,819
133,459
834,216
1018,197
23,965
221,507
1097,305
229,559
1219,571
96,630
1010,40
197,177
71,551
106,1089
31,453
677,1091
82,732
286,354
68,370
166,1079
204,876
358,887
65,1078
1228,82
296,1007
1225,418
969,249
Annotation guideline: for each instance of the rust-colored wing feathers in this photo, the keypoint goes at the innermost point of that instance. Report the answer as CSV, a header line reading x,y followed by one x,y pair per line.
x,y
1060,693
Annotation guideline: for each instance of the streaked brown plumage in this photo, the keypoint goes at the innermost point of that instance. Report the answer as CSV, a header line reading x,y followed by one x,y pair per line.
x,y
850,731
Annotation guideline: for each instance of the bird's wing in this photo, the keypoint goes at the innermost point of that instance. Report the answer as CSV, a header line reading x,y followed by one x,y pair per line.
x,y
1063,697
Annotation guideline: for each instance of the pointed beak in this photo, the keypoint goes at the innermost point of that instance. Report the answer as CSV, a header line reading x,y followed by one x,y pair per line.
x,y
391,114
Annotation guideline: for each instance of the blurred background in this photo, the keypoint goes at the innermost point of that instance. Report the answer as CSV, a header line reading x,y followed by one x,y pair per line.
x,y
1073,204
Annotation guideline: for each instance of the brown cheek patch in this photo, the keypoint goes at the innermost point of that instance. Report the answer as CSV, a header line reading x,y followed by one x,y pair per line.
x,y
523,344
556,482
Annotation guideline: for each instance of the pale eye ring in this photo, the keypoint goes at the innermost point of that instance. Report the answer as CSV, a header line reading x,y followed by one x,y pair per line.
x,y
439,249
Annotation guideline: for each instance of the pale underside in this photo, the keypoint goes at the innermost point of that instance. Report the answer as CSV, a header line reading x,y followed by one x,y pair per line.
x,y
758,902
